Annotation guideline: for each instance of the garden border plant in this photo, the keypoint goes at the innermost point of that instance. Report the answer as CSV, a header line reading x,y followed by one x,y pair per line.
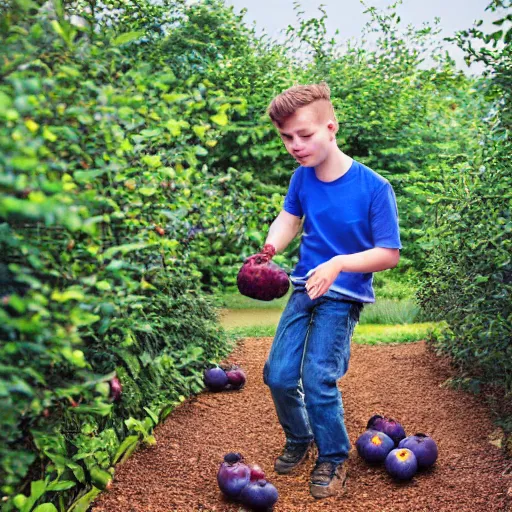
x,y
468,274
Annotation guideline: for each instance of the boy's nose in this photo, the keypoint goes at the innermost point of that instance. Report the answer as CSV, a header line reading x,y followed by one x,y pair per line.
x,y
297,145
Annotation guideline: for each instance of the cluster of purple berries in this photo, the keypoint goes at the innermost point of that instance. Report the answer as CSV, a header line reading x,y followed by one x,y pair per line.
x,y
245,483
385,441
221,378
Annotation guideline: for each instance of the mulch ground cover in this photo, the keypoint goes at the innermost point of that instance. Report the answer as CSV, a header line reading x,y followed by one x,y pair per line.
x,y
403,381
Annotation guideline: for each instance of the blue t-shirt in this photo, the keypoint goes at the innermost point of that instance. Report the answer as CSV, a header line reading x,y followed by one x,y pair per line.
x,y
353,213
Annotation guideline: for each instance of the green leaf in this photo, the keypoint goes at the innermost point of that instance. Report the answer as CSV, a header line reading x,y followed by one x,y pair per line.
x,y
148,134
80,317
496,36
59,8
62,485
152,415
37,489
127,37
5,102
103,286
100,409
47,507
19,500
88,176
76,357
24,163
78,471
70,71
150,440
200,130
99,477
84,503
152,161
147,191
508,37
26,5
255,236
125,248
67,295
125,445
58,29
221,119
174,97
175,127
200,151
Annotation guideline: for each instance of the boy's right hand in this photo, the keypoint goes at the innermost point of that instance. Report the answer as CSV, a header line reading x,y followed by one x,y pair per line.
x,y
266,254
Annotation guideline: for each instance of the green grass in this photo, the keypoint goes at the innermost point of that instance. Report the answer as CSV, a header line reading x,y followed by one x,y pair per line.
x,y
235,300
390,312
369,334
252,331
393,319
384,311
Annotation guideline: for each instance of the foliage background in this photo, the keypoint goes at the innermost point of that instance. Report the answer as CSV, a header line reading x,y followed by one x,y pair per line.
x,y
139,169
468,274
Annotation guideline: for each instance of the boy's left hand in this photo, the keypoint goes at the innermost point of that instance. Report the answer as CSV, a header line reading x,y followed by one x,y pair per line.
x,y
321,279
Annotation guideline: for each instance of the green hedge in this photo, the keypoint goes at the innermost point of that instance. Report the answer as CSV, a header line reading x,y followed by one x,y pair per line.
x,y
468,278
102,177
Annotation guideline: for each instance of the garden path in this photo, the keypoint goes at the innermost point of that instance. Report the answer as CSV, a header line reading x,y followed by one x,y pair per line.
x,y
404,381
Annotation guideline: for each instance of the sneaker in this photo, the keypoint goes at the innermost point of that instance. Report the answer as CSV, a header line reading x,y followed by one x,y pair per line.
x,y
292,456
327,479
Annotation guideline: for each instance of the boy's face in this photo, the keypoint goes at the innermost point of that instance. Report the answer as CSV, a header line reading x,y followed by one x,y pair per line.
x,y
309,135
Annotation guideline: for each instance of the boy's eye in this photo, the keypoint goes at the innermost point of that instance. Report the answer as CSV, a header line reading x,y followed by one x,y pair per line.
x,y
289,137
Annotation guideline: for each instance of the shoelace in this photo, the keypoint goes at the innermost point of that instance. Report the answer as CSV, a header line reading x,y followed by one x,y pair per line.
x,y
293,450
324,469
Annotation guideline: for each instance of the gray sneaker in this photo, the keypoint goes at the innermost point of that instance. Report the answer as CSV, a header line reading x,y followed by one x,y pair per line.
x,y
328,479
293,455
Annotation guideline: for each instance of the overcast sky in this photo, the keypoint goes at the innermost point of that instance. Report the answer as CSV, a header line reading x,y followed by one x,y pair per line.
x,y
273,16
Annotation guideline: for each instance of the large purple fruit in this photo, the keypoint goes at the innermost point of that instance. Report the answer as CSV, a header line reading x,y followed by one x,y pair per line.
x,y
233,475
387,425
259,495
215,379
236,377
401,464
374,446
262,280
423,446
375,422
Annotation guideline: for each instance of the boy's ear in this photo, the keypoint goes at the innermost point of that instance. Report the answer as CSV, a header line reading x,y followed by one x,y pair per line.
x,y
332,126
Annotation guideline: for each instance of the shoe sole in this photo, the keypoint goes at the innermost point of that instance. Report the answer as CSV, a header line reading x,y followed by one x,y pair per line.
x,y
291,469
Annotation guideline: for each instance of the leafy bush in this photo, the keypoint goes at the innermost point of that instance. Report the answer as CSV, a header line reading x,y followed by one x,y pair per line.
x,y
468,278
410,124
99,177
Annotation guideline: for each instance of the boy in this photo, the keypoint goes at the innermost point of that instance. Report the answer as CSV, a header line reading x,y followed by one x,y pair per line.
x,y
350,231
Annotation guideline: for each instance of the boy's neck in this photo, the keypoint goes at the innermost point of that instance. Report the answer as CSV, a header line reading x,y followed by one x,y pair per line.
x,y
334,166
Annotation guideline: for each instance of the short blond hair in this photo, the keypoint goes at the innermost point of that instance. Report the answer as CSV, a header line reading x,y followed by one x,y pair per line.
x,y
289,101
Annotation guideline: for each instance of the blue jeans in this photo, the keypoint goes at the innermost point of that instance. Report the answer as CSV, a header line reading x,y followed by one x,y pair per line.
x,y
310,352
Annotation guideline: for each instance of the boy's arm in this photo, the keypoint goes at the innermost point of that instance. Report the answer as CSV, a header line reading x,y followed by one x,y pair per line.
x,y
372,260
283,230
